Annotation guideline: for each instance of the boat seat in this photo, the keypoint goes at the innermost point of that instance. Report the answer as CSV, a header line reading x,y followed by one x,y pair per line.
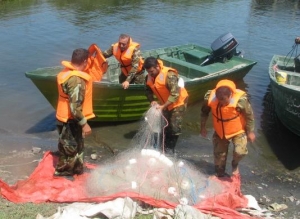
x,y
186,69
197,54
294,79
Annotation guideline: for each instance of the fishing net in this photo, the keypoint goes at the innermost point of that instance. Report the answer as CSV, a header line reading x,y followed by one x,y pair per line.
x,y
143,173
146,170
152,131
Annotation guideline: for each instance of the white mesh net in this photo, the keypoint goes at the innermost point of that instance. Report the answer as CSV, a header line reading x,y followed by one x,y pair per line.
x,y
145,170
152,130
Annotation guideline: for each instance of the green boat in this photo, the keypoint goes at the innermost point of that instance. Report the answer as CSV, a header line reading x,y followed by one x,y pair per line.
x,y
201,68
284,73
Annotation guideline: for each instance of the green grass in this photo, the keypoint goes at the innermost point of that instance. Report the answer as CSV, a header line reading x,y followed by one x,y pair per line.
x,y
9,210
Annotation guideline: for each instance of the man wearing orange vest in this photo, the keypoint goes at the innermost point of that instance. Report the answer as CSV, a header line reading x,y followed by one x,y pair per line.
x,y
129,56
233,120
74,108
162,82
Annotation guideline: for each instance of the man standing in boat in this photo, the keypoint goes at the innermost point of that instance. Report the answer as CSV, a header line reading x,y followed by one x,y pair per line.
x,y
162,82
129,56
233,120
73,110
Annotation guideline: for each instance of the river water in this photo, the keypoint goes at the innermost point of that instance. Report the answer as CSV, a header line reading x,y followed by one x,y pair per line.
x,y
35,34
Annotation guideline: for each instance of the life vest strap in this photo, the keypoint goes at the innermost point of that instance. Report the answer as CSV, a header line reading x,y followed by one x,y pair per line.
x,y
125,66
225,120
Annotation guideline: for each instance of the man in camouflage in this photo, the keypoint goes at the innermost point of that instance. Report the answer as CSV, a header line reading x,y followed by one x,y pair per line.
x,y
73,110
172,98
233,121
132,73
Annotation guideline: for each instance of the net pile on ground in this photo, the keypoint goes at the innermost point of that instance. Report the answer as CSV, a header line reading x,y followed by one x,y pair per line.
x,y
142,173
147,171
151,173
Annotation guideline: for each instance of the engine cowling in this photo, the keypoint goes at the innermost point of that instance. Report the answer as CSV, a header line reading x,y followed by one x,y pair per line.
x,y
223,49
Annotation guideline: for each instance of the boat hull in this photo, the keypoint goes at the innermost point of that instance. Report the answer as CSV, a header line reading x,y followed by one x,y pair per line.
x,y
286,93
112,103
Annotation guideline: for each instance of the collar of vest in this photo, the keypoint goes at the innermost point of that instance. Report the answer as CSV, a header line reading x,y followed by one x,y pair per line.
x,y
116,45
68,65
130,41
160,63
226,83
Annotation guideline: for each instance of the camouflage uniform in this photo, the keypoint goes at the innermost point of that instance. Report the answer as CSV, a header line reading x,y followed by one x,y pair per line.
x,y
70,142
174,116
133,77
239,141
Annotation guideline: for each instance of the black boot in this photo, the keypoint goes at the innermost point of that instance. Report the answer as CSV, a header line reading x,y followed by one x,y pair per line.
x,y
170,144
220,171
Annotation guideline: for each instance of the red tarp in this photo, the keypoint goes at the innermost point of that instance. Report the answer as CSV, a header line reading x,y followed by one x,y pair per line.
x,y
41,186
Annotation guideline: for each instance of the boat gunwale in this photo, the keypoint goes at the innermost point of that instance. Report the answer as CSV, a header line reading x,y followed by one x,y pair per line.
x,y
139,86
272,76
161,51
108,91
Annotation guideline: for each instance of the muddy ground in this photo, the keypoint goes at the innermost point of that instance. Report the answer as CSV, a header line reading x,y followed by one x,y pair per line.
x,y
263,175
268,187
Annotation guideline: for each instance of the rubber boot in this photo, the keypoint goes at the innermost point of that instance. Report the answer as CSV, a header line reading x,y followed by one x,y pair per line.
x,y
170,146
220,171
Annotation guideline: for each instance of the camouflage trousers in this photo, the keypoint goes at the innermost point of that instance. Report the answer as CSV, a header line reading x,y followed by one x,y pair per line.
x,y
221,151
70,147
173,130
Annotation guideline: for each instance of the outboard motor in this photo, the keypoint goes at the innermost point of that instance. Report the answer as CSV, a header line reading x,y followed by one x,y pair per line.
x,y
223,49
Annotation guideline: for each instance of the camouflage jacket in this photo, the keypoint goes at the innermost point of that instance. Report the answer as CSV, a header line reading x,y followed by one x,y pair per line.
x,y
243,104
171,84
74,87
135,61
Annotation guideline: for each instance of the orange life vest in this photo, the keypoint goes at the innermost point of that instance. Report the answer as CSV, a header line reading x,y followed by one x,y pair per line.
x,y
158,86
125,57
97,64
227,120
63,112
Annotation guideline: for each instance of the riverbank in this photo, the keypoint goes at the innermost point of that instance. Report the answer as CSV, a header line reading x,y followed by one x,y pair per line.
x,y
262,174
266,182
